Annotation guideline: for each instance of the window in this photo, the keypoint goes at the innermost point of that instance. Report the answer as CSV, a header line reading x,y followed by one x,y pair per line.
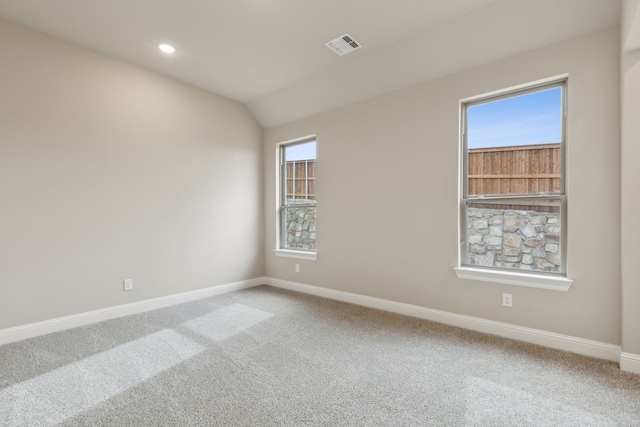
x,y
297,199
513,207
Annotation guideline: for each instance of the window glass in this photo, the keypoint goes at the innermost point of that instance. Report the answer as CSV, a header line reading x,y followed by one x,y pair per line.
x,y
514,144
513,200
298,196
522,234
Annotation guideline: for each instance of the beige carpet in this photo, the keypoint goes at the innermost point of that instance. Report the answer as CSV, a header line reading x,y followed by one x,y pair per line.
x,y
268,357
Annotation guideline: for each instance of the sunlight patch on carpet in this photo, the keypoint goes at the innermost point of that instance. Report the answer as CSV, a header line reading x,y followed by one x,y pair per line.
x,y
67,391
489,403
226,322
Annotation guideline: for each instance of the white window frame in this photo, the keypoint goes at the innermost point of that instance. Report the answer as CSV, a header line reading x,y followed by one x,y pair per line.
x,y
280,250
535,279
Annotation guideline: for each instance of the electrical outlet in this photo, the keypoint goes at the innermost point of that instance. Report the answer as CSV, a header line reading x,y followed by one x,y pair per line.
x,y
128,284
507,300
297,268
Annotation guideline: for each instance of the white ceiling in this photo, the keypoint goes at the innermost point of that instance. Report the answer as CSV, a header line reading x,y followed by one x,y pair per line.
x,y
270,54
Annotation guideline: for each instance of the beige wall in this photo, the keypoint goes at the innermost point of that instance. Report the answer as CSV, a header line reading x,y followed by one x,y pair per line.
x,y
630,184
107,172
388,169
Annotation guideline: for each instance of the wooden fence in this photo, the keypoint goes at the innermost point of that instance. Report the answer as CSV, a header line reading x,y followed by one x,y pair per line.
x,y
301,180
492,171
514,170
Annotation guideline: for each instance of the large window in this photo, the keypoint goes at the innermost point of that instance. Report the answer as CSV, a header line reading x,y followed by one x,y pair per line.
x,y
297,196
513,194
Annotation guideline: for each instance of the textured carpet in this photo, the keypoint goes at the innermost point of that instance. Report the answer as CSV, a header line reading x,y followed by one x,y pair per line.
x,y
268,357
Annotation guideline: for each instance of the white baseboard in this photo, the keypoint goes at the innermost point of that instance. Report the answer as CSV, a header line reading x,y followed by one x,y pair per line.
x,y
19,333
534,336
630,362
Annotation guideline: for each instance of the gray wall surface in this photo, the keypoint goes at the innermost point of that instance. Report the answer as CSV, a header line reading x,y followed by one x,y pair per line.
x,y
408,143
109,172
630,186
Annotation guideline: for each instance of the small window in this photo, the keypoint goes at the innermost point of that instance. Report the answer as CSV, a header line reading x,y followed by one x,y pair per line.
x,y
513,193
297,198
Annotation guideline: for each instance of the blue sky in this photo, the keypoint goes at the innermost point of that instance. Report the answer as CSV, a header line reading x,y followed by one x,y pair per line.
x,y
305,151
529,119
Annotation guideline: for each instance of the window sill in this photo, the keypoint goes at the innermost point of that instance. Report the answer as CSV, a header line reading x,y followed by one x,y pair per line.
x,y
539,281
287,253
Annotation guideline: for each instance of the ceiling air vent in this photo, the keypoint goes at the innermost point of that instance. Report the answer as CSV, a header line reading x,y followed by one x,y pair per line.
x,y
343,45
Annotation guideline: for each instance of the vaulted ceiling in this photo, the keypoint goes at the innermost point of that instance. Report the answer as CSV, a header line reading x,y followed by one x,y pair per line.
x,y
270,54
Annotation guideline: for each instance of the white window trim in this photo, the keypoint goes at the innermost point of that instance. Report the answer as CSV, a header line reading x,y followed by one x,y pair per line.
x,y
556,282
311,255
288,253
504,277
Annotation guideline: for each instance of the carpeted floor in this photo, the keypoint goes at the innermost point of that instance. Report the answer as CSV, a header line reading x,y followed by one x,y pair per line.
x,y
268,357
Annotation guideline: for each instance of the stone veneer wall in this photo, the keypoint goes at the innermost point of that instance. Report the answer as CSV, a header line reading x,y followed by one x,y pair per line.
x,y
523,240
300,228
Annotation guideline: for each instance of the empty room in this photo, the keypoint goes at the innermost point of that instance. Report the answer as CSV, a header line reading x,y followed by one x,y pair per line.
x,y
319,213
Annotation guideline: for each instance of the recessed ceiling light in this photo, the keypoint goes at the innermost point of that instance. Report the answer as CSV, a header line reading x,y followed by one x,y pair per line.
x,y
166,48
